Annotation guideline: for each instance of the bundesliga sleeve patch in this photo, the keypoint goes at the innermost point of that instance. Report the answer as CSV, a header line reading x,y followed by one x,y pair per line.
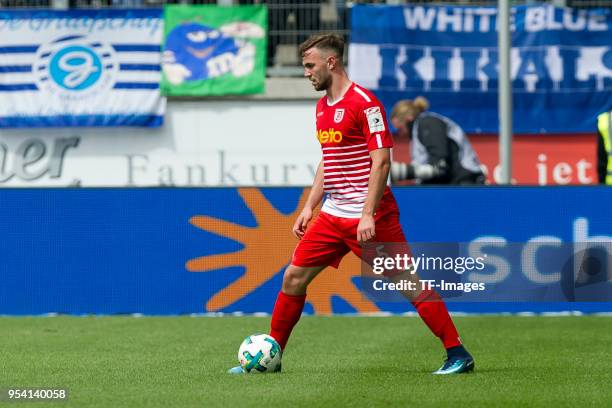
x,y
375,119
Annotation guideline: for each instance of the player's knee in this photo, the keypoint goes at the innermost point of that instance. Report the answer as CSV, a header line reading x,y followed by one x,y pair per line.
x,y
295,281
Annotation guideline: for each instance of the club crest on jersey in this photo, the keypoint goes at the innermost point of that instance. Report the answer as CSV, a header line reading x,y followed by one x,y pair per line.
x,y
339,115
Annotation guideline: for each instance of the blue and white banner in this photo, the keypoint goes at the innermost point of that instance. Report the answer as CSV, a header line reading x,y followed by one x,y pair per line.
x,y
561,63
80,68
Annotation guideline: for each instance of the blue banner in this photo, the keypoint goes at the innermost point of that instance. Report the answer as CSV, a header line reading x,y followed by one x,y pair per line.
x,y
561,63
80,68
177,251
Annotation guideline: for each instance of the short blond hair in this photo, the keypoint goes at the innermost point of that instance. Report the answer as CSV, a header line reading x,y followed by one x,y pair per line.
x,y
406,107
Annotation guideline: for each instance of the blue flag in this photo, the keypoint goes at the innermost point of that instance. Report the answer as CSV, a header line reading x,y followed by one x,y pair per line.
x,y
80,68
561,63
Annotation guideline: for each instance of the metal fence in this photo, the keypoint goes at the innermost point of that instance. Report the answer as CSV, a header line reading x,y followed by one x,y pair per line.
x,y
290,22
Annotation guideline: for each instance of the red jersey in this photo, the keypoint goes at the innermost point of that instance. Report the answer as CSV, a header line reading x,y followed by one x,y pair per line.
x,y
348,130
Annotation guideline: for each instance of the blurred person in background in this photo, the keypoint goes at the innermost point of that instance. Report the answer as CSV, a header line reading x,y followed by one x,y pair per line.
x,y
440,151
604,148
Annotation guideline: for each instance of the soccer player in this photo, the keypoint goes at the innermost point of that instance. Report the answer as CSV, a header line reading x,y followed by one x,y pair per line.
x,y
353,132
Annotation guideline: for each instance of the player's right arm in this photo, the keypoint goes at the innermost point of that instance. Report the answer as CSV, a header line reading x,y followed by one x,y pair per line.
x,y
314,198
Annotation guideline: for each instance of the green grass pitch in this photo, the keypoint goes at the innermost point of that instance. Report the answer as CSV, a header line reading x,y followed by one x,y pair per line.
x,y
330,362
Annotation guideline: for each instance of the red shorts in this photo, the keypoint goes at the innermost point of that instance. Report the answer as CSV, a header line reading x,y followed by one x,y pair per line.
x,y
329,238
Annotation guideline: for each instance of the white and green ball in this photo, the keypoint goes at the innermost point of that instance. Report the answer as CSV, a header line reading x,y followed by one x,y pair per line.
x,y
259,353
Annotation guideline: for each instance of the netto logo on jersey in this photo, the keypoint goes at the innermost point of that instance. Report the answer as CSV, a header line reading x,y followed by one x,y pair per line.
x,y
329,136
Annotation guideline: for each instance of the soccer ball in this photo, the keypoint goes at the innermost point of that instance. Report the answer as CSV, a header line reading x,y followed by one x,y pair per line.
x,y
259,353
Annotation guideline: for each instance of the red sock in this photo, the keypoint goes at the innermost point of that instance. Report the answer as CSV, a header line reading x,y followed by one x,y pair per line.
x,y
433,311
287,312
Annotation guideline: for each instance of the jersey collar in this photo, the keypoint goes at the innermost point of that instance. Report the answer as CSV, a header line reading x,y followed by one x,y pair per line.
x,y
340,98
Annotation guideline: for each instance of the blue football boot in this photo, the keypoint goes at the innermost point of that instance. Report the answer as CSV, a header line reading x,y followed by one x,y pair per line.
x,y
240,370
236,370
456,365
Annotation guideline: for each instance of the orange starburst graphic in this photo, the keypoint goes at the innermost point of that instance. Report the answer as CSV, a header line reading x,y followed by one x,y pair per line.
x,y
267,249
332,282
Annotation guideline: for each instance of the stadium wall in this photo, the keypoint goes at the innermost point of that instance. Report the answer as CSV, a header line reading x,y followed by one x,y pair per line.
x,y
172,251
230,142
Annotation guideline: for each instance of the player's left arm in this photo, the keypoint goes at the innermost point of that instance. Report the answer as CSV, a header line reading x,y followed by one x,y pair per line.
x,y
381,163
373,124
